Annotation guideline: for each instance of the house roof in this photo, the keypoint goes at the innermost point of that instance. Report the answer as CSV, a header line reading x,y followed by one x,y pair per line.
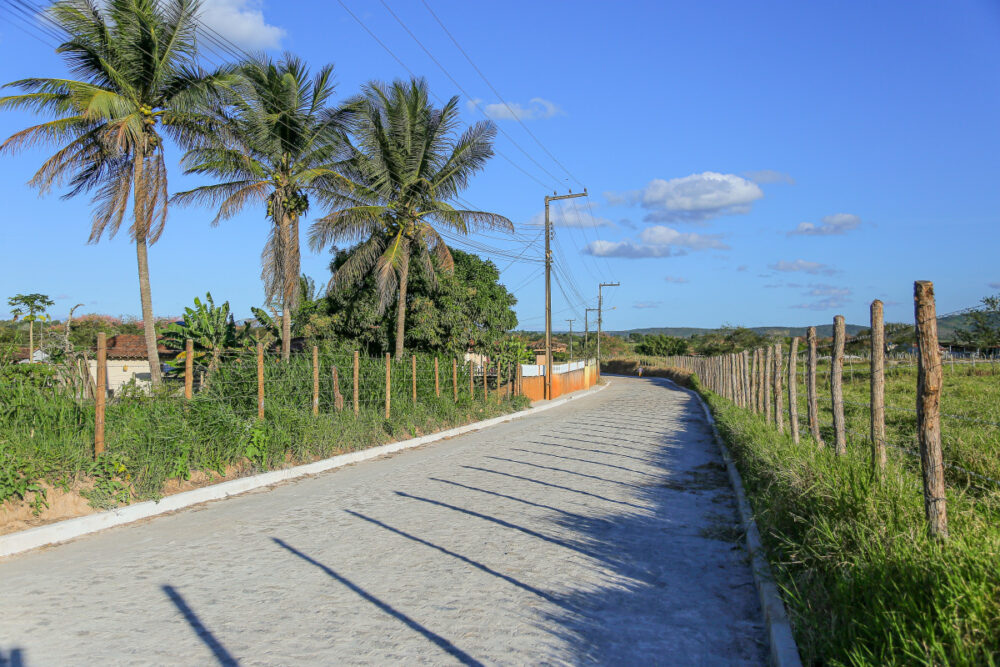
x,y
131,346
539,346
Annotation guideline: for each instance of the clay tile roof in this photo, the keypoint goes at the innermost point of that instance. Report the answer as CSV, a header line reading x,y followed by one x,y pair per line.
x,y
129,346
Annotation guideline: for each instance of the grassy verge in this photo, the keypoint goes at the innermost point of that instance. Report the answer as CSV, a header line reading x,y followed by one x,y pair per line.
x,y
46,434
863,583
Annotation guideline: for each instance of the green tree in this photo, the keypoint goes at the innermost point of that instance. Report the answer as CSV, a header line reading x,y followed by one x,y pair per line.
x,y
657,345
982,325
34,305
465,310
275,141
212,330
405,168
135,63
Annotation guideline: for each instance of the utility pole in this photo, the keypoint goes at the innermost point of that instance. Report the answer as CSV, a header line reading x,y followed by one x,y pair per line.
x,y
600,306
586,326
548,288
571,339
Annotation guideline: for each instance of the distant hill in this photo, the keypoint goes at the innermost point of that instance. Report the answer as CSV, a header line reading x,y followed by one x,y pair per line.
x,y
947,329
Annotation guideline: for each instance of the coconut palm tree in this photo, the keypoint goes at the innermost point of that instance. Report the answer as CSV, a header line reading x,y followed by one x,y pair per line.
x,y
405,166
136,78
275,141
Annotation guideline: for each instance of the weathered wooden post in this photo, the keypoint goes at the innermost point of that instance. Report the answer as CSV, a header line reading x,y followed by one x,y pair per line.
x,y
768,383
356,406
499,378
779,411
793,395
747,394
338,398
413,374
315,403
101,397
486,389
188,369
837,385
454,378
260,381
928,408
437,379
811,398
753,382
388,382
472,389
877,408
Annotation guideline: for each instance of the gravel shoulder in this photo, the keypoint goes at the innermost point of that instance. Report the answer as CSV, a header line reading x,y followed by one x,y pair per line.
x,y
601,531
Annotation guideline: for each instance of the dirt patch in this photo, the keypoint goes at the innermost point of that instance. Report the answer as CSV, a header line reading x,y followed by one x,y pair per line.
x,y
63,504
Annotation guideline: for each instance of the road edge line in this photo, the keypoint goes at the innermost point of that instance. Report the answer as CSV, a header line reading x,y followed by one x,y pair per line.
x,y
70,529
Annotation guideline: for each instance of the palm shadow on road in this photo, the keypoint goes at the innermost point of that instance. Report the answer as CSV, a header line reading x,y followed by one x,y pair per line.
x,y
204,634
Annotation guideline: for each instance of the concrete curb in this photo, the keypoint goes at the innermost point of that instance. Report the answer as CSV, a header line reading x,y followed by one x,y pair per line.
x,y
62,531
784,650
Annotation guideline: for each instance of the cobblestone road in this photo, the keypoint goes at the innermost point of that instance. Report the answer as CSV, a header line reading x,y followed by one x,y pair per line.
x,y
601,531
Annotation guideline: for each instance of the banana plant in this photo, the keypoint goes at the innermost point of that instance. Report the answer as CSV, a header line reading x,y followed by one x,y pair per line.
x,y
212,329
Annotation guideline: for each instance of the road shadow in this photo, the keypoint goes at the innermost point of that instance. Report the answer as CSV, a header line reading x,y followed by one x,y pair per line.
x,y
431,636
203,633
12,657
670,581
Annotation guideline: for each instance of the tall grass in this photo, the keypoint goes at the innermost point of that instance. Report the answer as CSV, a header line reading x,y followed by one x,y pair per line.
x,y
46,433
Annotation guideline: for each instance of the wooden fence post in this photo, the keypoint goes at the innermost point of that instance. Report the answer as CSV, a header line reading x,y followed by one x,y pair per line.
x,y
338,398
928,409
878,387
499,377
779,411
356,406
454,378
837,385
472,390
388,382
768,383
101,397
811,398
747,394
486,389
793,392
188,368
315,381
753,382
260,381
437,380
414,376
759,379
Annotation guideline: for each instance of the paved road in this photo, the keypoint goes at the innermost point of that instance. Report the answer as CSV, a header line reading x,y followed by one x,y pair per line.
x,y
596,532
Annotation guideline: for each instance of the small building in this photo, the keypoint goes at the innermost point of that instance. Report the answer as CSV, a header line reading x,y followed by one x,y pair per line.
x,y
538,347
128,362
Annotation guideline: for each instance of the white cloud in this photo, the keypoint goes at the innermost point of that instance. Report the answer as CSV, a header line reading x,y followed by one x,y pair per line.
x,y
656,241
692,198
813,268
831,225
995,285
534,109
241,22
833,297
677,280
769,176
571,216
647,304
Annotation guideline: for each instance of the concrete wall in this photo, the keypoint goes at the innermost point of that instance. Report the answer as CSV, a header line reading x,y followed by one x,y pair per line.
x,y
123,371
562,383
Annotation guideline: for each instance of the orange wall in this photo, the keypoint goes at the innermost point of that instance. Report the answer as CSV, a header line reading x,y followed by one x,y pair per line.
x,y
562,383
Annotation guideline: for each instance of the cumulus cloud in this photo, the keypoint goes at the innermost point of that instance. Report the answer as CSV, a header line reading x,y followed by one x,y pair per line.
x,y
571,216
995,285
692,198
241,22
832,297
647,304
677,280
831,225
656,241
812,268
765,176
535,108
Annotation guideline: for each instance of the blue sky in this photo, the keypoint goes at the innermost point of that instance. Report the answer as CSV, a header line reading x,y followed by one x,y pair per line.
x,y
746,163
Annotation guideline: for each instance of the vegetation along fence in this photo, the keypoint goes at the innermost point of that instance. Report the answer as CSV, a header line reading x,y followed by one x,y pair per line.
x,y
847,391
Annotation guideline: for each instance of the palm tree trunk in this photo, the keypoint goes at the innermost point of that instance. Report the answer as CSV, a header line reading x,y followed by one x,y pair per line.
x,y
401,310
148,321
287,290
143,216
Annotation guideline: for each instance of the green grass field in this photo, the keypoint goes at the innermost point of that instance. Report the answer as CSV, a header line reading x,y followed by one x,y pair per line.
x,y
46,434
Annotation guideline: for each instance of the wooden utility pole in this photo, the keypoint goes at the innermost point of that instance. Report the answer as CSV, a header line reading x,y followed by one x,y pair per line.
x,y
837,386
101,397
188,368
878,386
928,408
548,290
600,319
570,338
793,392
811,397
